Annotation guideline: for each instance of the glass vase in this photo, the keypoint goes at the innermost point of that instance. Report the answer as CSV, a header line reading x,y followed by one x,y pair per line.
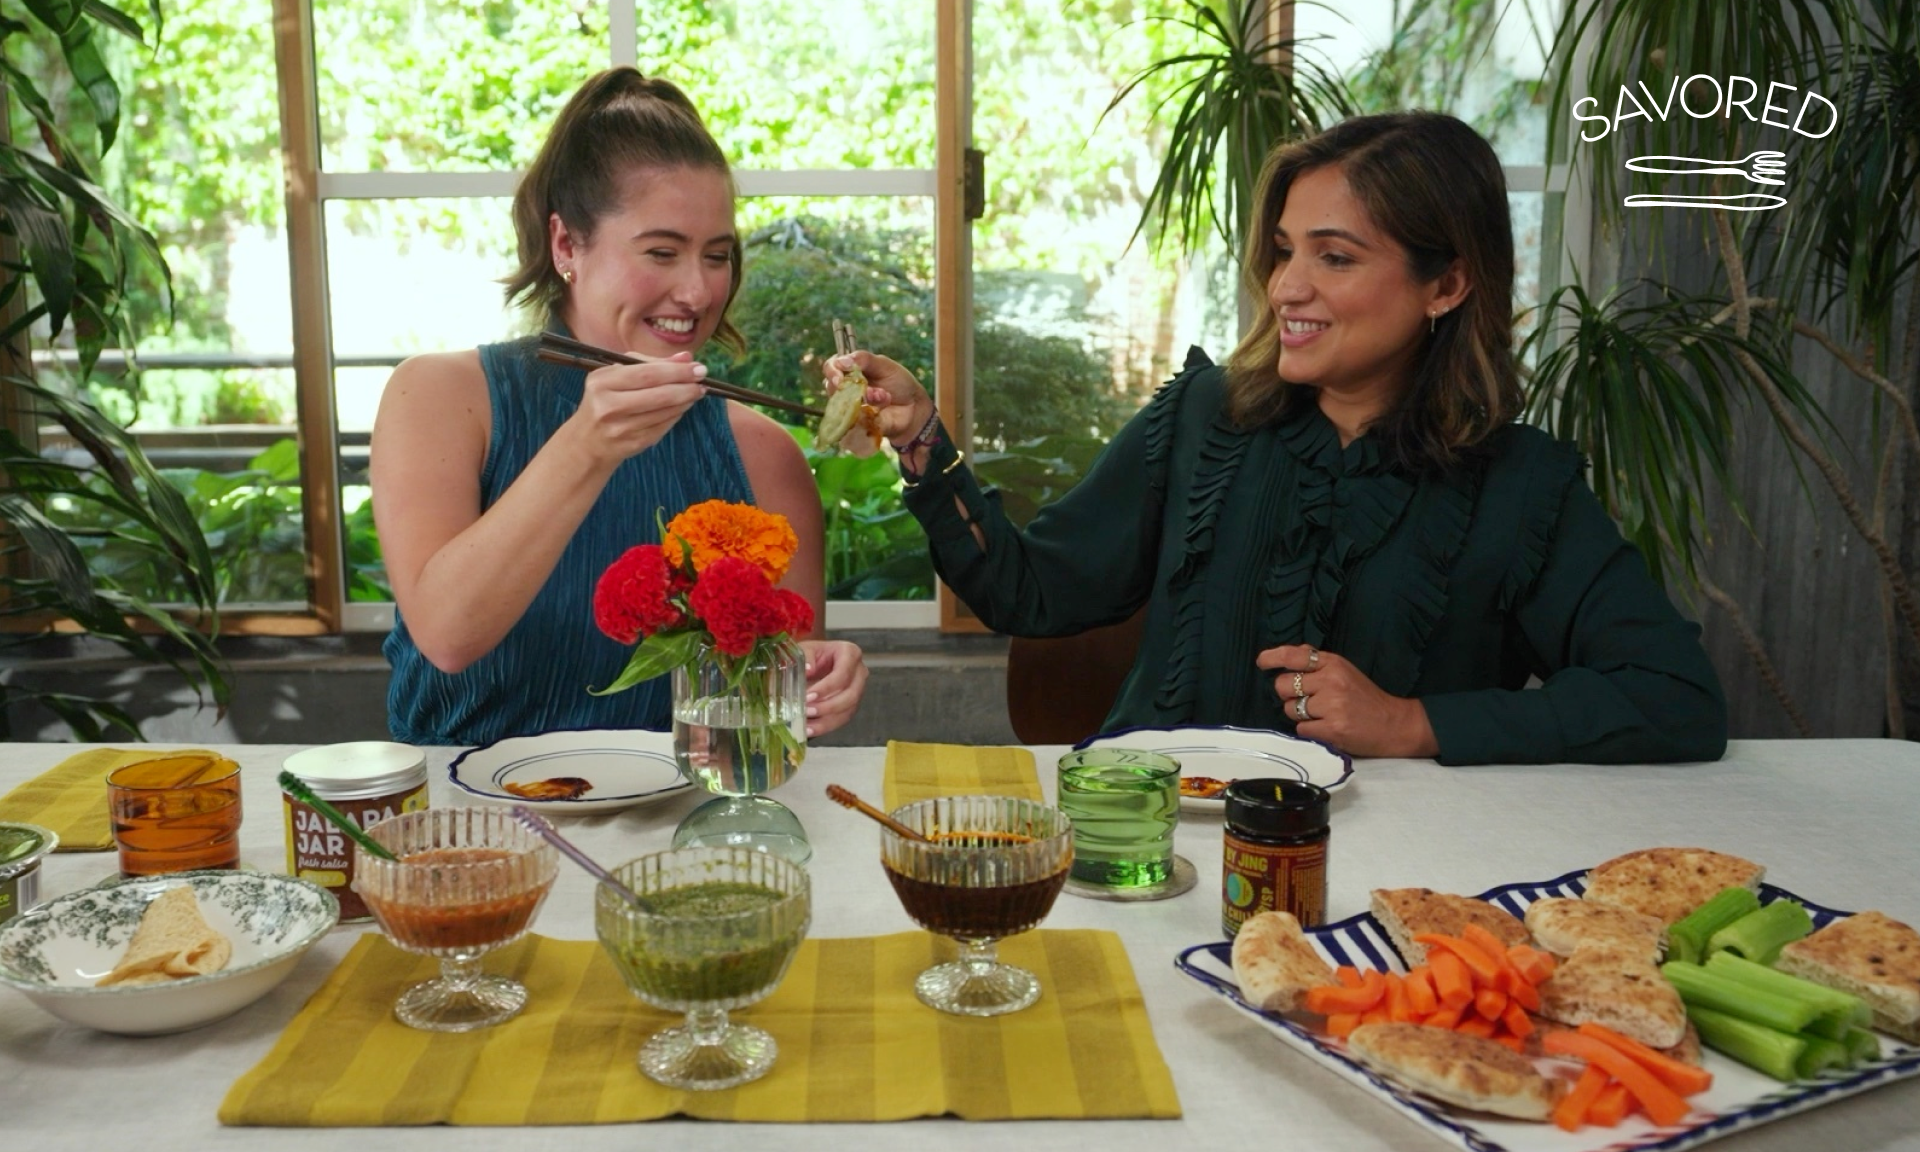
x,y
740,731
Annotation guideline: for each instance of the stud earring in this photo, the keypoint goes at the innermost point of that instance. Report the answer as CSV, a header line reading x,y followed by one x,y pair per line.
x,y
567,275
1433,322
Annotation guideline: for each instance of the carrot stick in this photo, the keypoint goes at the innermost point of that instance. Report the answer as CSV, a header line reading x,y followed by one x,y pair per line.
x,y
1612,1105
1493,946
1571,1112
1516,1021
1452,982
1377,1014
1484,968
1664,1106
1508,1040
1444,1018
1341,1024
1681,1077
1490,1002
1348,976
1477,1025
1328,999
1399,1009
1534,964
1515,984
1421,997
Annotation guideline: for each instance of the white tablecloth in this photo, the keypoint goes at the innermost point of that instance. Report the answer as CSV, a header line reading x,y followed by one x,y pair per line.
x,y
1834,821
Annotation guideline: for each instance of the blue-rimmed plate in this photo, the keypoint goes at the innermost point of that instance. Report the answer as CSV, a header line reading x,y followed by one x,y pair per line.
x,y
622,767
1225,754
1739,1099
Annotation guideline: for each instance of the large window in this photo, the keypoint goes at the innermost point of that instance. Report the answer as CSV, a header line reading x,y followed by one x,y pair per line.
x,y
330,182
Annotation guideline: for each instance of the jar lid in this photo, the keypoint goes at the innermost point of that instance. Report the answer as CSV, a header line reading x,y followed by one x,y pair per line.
x,y
22,846
1274,807
364,765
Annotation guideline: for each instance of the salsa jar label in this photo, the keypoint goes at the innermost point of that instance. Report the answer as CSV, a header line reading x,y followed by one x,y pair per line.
x,y
319,852
1259,877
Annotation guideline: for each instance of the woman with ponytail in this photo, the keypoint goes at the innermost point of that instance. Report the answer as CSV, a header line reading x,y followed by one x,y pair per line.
x,y
503,486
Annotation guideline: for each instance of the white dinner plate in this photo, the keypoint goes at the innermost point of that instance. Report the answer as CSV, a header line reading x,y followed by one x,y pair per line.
x,y
1229,754
1740,1098
626,766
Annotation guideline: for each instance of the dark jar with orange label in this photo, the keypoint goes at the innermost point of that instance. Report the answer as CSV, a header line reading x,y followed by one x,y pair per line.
x,y
1276,852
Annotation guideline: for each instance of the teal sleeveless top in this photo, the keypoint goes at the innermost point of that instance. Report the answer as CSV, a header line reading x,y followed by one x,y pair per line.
x,y
536,680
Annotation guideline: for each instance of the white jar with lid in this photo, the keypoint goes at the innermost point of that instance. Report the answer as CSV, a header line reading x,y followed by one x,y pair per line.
x,y
368,781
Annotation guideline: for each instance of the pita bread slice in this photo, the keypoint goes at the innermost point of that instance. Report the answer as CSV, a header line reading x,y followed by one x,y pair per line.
x,y
1275,963
1871,955
1668,883
1458,1069
1408,912
1563,926
173,940
1618,986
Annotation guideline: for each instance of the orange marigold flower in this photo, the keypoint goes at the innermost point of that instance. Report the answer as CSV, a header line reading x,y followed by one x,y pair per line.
x,y
717,528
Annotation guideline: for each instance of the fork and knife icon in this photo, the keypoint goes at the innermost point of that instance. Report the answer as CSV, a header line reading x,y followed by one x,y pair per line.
x,y
1763,167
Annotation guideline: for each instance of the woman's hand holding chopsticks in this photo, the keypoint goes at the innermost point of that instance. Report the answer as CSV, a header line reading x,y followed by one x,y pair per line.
x,y
626,409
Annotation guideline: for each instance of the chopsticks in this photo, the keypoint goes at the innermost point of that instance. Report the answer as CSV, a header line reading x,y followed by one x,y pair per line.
x,y
571,353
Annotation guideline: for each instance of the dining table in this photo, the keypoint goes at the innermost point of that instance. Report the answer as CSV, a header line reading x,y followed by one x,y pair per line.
x,y
1836,821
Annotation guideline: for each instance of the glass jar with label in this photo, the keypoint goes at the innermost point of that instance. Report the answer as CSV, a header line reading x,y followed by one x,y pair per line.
x,y
367,780
1275,852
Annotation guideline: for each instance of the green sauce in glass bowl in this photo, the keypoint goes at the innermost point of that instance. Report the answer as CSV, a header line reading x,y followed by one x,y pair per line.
x,y
704,958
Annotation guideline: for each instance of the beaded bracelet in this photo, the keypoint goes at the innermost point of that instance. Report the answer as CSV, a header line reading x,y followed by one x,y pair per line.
x,y
925,438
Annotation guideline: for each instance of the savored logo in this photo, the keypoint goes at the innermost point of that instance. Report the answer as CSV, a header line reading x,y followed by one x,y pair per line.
x,y
1703,97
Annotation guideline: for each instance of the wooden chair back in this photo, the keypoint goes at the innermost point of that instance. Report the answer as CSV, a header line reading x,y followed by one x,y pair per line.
x,y
1060,689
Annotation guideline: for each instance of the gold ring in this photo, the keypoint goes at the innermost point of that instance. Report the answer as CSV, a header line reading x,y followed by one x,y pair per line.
x,y
1299,688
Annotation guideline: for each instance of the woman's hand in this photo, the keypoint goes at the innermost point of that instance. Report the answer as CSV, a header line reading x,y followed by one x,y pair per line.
x,y
626,409
836,679
904,405
1344,708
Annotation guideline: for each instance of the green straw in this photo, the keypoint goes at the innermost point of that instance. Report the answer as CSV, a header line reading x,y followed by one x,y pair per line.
x,y
297,788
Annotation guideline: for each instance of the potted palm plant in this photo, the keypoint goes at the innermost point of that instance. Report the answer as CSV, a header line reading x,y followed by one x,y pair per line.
x,y
68,257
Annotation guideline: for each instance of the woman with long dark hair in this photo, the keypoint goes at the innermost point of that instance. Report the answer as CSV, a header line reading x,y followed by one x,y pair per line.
x,y
1342,531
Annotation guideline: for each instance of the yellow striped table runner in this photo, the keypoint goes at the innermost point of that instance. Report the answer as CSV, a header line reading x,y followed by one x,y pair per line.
x,y
71,797
854,1044
923,771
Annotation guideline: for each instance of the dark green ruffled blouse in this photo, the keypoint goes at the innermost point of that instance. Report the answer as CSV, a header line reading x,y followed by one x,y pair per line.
x,y
1451,589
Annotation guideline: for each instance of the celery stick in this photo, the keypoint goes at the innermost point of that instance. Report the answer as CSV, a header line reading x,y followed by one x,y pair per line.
x,y
1839,1010
1862,1046
1773,1052
1687,939
1819,1055
1712,990
1760,935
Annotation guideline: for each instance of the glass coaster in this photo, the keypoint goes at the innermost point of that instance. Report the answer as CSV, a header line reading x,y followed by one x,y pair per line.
x,y
1182,880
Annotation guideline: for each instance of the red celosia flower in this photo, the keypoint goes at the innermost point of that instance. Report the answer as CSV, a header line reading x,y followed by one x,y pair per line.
x,y
738,605
798,611
631,599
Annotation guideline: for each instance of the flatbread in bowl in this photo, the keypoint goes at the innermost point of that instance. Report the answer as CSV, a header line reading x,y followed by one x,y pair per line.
x,y
59,953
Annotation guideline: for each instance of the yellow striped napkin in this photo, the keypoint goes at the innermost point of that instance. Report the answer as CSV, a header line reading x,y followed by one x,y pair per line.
x,y
854,1044
923,771
71,797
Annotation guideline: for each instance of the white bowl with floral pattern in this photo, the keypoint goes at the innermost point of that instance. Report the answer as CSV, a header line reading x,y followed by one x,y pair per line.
x,y
57,952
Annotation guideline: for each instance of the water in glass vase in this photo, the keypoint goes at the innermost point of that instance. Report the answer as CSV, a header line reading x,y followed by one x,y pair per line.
x,y
728,746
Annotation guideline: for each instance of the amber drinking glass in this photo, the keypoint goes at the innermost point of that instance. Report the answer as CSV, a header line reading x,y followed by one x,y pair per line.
x,y
992,870
716,932
467,881
175,814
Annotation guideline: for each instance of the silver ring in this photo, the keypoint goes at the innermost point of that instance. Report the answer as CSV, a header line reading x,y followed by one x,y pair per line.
x,y
1299,688
1300,708
1313,658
